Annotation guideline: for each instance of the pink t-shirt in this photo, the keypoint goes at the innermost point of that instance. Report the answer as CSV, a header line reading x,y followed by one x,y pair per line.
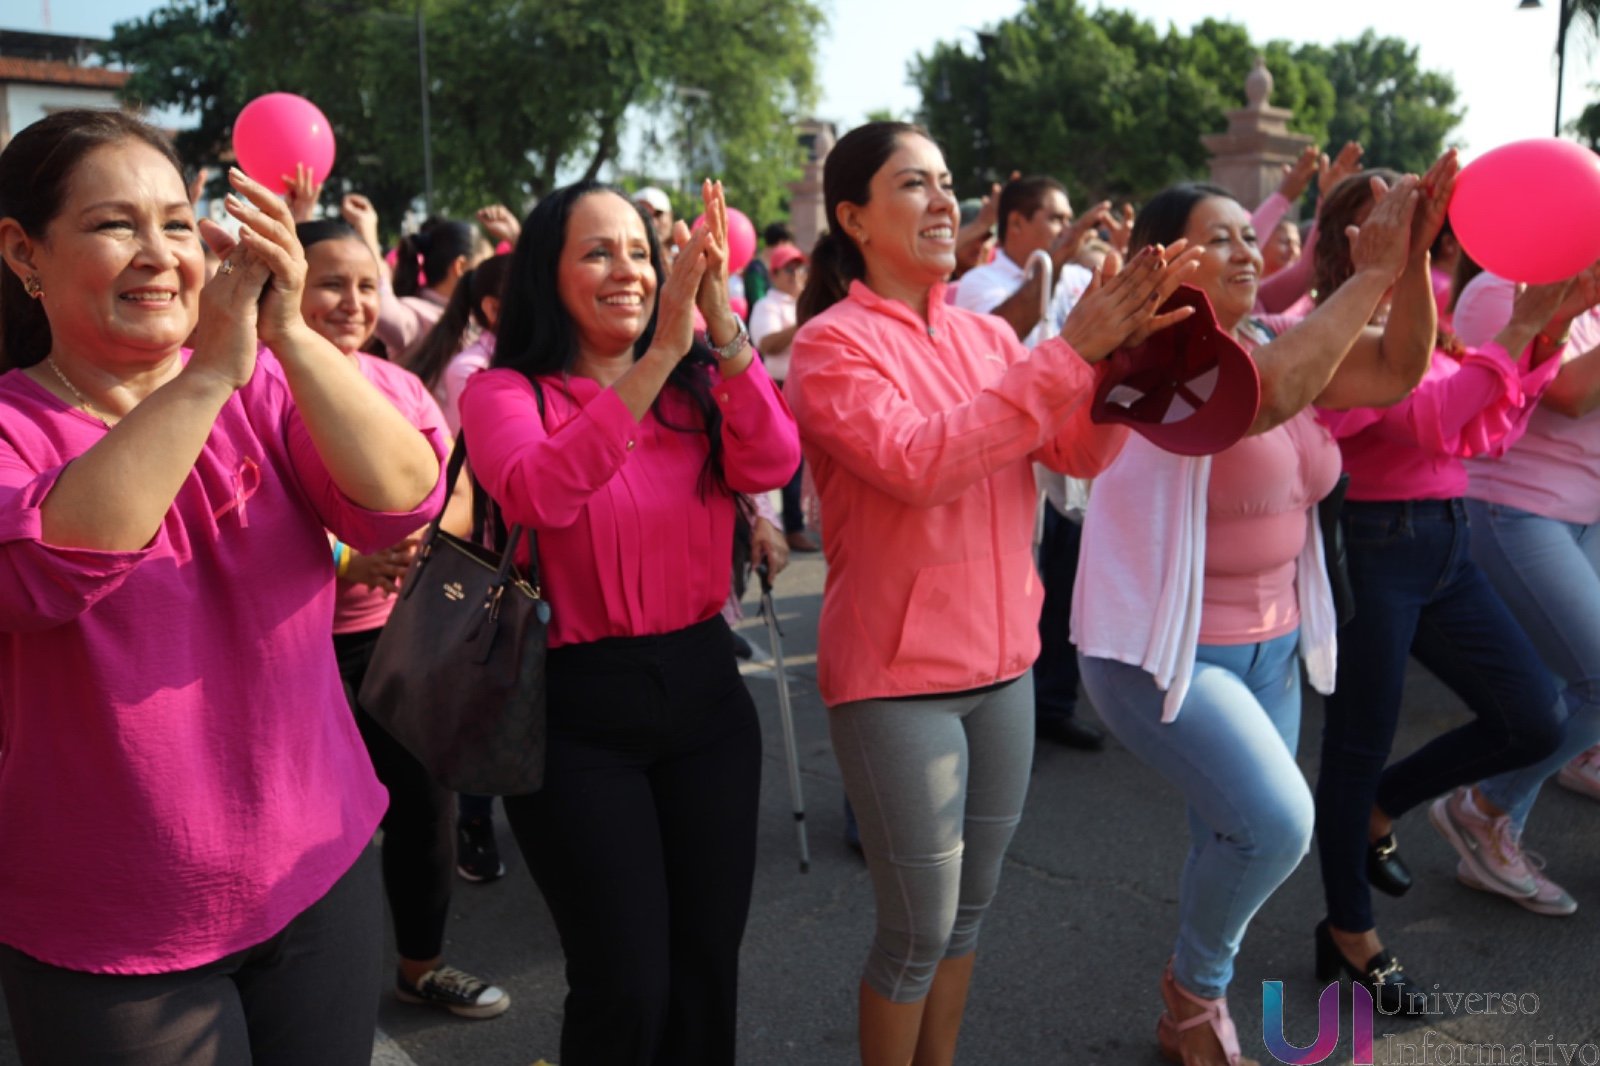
x,y
465,363
359,608
180,774
1554,470
629,544
1476,405
1256,528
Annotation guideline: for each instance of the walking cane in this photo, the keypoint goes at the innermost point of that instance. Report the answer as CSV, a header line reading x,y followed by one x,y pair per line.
x,y
786,715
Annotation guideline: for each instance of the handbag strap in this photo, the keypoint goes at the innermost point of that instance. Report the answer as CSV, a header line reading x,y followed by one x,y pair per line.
x,y
458,459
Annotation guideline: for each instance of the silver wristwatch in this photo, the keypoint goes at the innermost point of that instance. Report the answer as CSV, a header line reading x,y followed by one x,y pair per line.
x,y
733,347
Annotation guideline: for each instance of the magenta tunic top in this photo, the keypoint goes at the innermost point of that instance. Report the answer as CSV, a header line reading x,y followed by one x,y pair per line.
x,y
629,545
179,773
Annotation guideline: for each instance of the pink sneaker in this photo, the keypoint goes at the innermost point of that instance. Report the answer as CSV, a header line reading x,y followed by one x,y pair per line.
x,y
1582,774
1489,846
1550,898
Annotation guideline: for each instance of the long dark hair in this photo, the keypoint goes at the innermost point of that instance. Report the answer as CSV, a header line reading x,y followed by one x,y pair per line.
x,y
846,179
36,170
438,244
443,341
536,336
1330,263
1165,217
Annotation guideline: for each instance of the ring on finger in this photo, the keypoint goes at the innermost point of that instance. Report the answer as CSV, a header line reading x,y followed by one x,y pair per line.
x,y
226,267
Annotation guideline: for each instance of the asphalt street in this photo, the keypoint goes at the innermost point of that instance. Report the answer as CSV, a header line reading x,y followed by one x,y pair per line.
x,y
1073,948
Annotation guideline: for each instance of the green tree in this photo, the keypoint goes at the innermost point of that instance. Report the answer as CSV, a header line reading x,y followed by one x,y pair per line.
x,y
521,94
1116,106
1399,113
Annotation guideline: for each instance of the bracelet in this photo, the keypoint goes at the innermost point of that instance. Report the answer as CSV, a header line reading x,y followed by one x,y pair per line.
x,y
735,346
1552,342
341,558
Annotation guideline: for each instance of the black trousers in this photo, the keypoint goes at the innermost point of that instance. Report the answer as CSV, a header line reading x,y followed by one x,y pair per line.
x,y
303,996
419,828
1055,672
643,843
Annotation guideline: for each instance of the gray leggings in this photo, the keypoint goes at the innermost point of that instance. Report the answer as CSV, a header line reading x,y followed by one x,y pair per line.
x,y
937,786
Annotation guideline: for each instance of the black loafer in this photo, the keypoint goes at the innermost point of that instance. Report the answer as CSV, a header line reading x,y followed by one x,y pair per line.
x,y
1072,733
1394,992
1386,870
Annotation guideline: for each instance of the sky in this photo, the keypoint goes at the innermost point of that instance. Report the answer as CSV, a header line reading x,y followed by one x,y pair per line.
x,y
1502,58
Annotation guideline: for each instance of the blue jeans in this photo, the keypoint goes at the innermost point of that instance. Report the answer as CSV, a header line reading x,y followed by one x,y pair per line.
x,y
1055,672
1231,752
1418,593
1548,573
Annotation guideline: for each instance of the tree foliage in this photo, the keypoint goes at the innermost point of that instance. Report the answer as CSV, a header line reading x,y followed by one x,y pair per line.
x,y
1116,106
522,95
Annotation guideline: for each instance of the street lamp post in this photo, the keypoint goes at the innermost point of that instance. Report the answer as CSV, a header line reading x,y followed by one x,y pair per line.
x,y
1564,16
427,124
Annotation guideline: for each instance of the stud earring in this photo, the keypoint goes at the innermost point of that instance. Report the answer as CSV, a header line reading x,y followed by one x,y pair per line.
x,y
31,286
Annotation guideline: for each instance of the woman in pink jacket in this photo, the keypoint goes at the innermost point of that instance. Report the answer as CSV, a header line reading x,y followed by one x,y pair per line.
x,y
920,421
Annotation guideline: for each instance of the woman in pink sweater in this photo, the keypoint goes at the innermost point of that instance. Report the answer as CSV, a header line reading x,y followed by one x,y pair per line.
x,y
920,421
607,428
1418,594
187,801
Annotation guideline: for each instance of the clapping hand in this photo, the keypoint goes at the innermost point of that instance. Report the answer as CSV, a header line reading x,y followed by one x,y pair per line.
x,y
1382,243
712,296
1122,307
1438,184
1297,175
1348,162
1066,247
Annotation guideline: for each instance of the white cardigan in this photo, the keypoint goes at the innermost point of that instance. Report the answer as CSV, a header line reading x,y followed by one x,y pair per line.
x,y
1141,575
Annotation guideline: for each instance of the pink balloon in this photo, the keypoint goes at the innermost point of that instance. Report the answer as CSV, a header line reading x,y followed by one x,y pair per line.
x,y
278,130
1530,210
741,239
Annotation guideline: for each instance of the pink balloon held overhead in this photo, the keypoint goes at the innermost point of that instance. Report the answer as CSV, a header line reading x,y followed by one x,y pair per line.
x,y
1530,210
276,131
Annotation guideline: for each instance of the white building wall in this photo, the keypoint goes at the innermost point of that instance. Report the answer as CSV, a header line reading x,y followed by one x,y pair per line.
x,y
26,104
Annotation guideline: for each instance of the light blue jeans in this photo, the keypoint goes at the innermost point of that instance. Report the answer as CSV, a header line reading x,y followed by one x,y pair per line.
x,y
1548,573
1231,753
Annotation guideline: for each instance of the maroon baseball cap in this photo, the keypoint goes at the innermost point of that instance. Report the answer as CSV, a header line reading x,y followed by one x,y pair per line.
x,y
1189,389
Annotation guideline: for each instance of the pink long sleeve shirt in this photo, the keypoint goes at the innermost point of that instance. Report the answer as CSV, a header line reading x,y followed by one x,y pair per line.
x,y
359,608
179,773
629,544
920,436
1475,405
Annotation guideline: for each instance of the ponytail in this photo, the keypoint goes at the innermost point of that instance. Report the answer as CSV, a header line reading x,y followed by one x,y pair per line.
x,y
408,264
24,329
835,262
440,344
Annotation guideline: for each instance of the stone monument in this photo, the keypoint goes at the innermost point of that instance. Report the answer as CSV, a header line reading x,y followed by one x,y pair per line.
x,y
1248,160
807,215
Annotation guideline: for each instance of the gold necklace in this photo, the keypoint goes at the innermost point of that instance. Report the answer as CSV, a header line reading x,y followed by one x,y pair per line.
x,y
81,398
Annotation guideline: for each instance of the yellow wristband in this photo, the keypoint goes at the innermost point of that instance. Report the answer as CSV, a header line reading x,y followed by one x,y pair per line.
x,y
342,551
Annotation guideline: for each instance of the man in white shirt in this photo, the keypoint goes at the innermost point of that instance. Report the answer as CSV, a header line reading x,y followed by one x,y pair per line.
x,y
772,328
1035,215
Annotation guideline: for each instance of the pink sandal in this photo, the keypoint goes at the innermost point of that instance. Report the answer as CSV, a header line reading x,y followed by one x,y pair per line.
x,y
1169,1030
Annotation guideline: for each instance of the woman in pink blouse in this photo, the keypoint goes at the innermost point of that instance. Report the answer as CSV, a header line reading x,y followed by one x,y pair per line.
x,y
608,429
187,801
1418,594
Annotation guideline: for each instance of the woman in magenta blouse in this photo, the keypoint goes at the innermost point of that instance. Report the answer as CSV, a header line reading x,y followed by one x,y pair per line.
x,y
605,426
1418,594
187,801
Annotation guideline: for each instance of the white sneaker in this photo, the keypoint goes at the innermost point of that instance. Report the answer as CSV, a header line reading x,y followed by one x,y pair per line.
x,y
1550,899
1582,774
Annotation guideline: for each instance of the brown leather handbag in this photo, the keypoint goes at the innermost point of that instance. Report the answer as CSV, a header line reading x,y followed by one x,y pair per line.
x,y
458,673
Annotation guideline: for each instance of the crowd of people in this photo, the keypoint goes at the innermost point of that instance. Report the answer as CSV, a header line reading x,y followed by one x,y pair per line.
x,y
219,449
